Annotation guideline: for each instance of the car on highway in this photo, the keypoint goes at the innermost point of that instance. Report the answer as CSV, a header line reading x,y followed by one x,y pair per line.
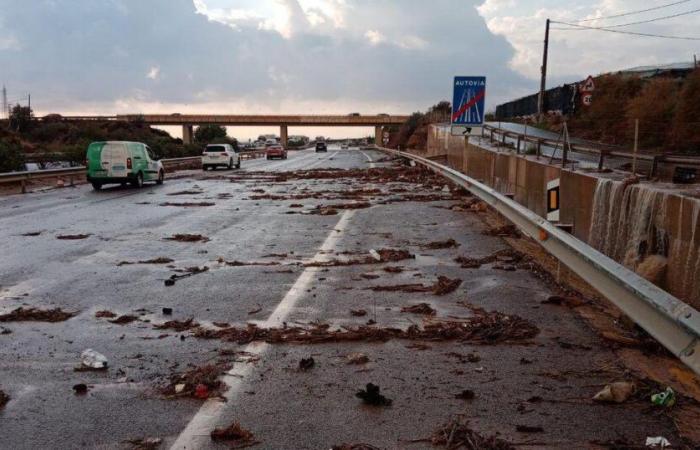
x,y
121,162
321,147
215,155
344,146
276,151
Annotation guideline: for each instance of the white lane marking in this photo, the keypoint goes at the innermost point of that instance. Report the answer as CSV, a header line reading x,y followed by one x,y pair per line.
x,y
196,433
372,165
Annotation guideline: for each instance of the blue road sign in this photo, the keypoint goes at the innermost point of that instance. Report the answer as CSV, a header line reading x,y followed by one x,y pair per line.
x,y
468,101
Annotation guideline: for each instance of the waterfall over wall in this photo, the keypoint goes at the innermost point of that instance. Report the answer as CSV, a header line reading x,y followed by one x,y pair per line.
x,y
633,223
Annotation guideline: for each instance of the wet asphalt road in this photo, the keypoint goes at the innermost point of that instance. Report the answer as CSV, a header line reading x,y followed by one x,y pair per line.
x,y
283,407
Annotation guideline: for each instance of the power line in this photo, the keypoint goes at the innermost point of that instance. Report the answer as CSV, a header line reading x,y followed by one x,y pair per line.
x,y
653,20
630,13
584,27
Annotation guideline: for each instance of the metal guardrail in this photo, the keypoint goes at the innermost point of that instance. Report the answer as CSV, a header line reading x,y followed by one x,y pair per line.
x,y
77,172
675,324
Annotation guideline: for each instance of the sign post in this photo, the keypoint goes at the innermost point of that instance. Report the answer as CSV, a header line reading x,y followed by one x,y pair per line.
x,y
468,103
587,91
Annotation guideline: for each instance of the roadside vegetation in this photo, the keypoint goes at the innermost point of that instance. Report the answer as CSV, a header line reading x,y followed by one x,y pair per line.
x,y
668,110
24,138
414,132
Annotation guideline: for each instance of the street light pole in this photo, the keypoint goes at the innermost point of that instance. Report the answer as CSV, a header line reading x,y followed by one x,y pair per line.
x,y
543,82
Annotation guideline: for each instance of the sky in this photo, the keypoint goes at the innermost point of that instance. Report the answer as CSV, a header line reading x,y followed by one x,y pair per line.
x,y
311,56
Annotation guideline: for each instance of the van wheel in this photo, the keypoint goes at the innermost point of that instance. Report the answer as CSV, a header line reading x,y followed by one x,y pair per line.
x,y
238,164
161,177
230,164
138,182
96,186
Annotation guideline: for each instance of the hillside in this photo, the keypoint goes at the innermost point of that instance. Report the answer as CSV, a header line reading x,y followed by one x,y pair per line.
x,y
54,139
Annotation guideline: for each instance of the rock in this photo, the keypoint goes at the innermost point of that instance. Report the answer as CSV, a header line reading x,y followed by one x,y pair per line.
x,y
357,358
653,269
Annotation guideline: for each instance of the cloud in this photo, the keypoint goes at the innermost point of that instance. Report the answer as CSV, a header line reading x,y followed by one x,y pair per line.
x,y
263,56
375,37
153,73
575,54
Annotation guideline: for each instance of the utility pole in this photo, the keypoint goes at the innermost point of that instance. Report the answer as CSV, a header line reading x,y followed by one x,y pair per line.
x,y
4,102
695,58
29,101
543,82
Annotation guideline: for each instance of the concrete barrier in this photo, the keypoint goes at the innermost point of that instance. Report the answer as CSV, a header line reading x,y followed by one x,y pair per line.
x,y
650,228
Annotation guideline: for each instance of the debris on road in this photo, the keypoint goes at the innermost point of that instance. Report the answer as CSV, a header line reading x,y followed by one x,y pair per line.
x,y
72,237
358,312
457,434
187,238
509,255
190,271
357,358
5,331
178,325
105,314
159,260
167,311
32,234
354,447
371,396
200,382
509,230
144,443
617,392
375,257
482,328
421,308
92,360
36,315
80,389
248,263
442,286
439,245
188,204
394,269
528,429
369,276
234,435
4,399
124,319
466,394
255,311
667,398
307,363
657,442
375,254
187,192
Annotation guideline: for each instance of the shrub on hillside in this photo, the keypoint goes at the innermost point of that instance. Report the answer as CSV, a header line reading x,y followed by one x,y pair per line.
x,y
655,108
686,125
11,155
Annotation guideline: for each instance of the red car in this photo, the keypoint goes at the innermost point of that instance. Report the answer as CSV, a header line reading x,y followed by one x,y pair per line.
x,y
276,151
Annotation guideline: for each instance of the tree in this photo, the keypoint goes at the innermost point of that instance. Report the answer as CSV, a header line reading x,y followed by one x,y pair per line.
x,y
11,156
654,107
685,136
206,134
21,118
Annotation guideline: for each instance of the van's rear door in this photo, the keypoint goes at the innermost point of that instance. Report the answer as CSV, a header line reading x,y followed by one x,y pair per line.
x,y
114,157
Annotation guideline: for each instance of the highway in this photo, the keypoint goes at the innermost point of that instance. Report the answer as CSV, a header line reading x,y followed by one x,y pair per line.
x,y
278,254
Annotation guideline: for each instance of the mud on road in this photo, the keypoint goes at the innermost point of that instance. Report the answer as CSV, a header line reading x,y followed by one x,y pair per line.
x,y
406,319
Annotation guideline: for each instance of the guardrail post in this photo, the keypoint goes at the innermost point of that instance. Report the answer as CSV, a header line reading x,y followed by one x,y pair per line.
x,y
601,160
654,166
517,149
23,183
491,136
539,148
70,179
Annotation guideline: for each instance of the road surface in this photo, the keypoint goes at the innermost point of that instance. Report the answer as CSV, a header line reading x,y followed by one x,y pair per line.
x,y
543,378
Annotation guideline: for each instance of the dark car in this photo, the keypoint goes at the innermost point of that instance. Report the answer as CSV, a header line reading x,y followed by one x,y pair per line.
x,y
321,147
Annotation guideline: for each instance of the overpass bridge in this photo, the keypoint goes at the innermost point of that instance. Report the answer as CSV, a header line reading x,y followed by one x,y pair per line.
x,y
189,121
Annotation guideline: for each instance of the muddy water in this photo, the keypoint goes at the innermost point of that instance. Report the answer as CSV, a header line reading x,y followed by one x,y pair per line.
x,y
645,229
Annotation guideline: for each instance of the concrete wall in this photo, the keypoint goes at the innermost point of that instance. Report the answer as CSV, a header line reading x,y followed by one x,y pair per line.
x,y
651,230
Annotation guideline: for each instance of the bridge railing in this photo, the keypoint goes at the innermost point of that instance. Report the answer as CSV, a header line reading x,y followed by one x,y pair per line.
x,y
598,152
675,324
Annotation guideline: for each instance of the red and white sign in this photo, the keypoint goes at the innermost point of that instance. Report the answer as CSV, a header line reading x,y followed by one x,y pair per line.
x,y
586,90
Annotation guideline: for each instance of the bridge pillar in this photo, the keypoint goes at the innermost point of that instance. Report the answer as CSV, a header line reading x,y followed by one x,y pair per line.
x,y
284,135
187,134
379,136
